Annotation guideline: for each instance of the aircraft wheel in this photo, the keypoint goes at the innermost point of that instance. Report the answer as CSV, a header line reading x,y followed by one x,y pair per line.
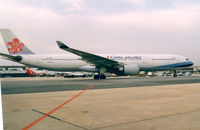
x,y
103,77
96,77
174,75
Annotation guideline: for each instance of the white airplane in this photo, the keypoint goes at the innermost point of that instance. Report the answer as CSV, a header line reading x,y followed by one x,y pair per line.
x,y
120,64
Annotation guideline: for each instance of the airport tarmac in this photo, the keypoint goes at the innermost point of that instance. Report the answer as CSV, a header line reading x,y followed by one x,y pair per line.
x,y
129,103
52,84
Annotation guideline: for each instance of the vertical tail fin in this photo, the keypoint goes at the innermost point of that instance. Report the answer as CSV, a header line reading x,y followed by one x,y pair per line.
x,y
13,44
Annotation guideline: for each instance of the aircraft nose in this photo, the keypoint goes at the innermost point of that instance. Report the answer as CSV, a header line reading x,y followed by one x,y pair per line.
x,y
190,63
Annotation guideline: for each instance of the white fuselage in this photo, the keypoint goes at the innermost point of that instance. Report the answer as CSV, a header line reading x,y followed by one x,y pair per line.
x,y
68,62
118,63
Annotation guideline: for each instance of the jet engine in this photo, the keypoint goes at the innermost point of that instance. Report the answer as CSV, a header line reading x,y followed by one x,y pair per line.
x,y
89,68
131,69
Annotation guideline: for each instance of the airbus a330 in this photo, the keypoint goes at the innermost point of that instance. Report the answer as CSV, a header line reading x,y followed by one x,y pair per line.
x,y
120,64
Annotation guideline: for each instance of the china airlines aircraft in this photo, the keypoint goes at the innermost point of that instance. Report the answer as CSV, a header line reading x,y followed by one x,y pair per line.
x,y
120,64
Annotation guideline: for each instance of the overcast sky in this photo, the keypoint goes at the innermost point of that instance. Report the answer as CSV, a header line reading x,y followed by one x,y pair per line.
x,y
106,26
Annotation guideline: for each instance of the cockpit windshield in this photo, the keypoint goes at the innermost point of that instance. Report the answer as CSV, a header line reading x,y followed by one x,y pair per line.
x,y
187,59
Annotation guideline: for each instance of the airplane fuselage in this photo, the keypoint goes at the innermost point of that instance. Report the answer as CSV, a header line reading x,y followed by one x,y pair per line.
x,y
68,62
120,64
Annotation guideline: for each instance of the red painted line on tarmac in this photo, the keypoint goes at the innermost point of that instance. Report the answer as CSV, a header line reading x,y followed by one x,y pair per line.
x,y
39,119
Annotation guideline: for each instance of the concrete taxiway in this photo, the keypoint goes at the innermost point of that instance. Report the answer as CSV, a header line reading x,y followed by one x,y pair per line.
x,y
129,103
37,84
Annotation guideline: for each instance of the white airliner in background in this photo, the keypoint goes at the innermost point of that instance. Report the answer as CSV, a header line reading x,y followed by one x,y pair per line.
x,y
120,64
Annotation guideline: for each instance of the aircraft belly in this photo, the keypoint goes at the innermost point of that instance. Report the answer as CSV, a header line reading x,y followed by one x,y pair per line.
x,y
57,65
69,65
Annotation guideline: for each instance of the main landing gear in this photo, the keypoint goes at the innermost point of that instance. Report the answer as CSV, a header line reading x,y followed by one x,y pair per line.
x,y
102,76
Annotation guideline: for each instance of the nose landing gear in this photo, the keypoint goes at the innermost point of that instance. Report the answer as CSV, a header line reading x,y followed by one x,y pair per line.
x,y
174,75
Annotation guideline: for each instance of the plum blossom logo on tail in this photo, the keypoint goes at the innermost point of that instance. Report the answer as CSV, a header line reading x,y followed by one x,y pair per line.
x,y
15,46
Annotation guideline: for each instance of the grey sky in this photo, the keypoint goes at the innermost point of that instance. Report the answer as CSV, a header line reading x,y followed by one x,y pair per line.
x,y
106,26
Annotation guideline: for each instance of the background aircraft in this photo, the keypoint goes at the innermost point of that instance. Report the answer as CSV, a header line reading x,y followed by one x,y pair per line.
x,y
120,64
30,72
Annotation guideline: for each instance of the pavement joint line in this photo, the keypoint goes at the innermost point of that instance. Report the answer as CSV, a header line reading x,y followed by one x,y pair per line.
x,y
148,119
15,103
60,119
52,111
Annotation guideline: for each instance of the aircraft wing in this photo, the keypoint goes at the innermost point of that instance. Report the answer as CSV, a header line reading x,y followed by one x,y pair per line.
x,y
10,57
91,58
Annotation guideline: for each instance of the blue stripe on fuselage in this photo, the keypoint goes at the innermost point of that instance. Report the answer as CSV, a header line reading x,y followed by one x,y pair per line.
x,y
170,66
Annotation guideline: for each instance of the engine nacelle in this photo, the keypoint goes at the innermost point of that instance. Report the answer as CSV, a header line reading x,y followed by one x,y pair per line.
x,y
89,68
131,69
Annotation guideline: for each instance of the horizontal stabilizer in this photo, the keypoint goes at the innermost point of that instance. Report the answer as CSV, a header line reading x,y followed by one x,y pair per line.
x,y
10,57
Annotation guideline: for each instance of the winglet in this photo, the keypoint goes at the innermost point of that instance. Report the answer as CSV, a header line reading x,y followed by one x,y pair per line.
x,y
61,45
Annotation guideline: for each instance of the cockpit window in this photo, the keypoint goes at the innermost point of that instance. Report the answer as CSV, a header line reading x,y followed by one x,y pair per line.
x,y
187,59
